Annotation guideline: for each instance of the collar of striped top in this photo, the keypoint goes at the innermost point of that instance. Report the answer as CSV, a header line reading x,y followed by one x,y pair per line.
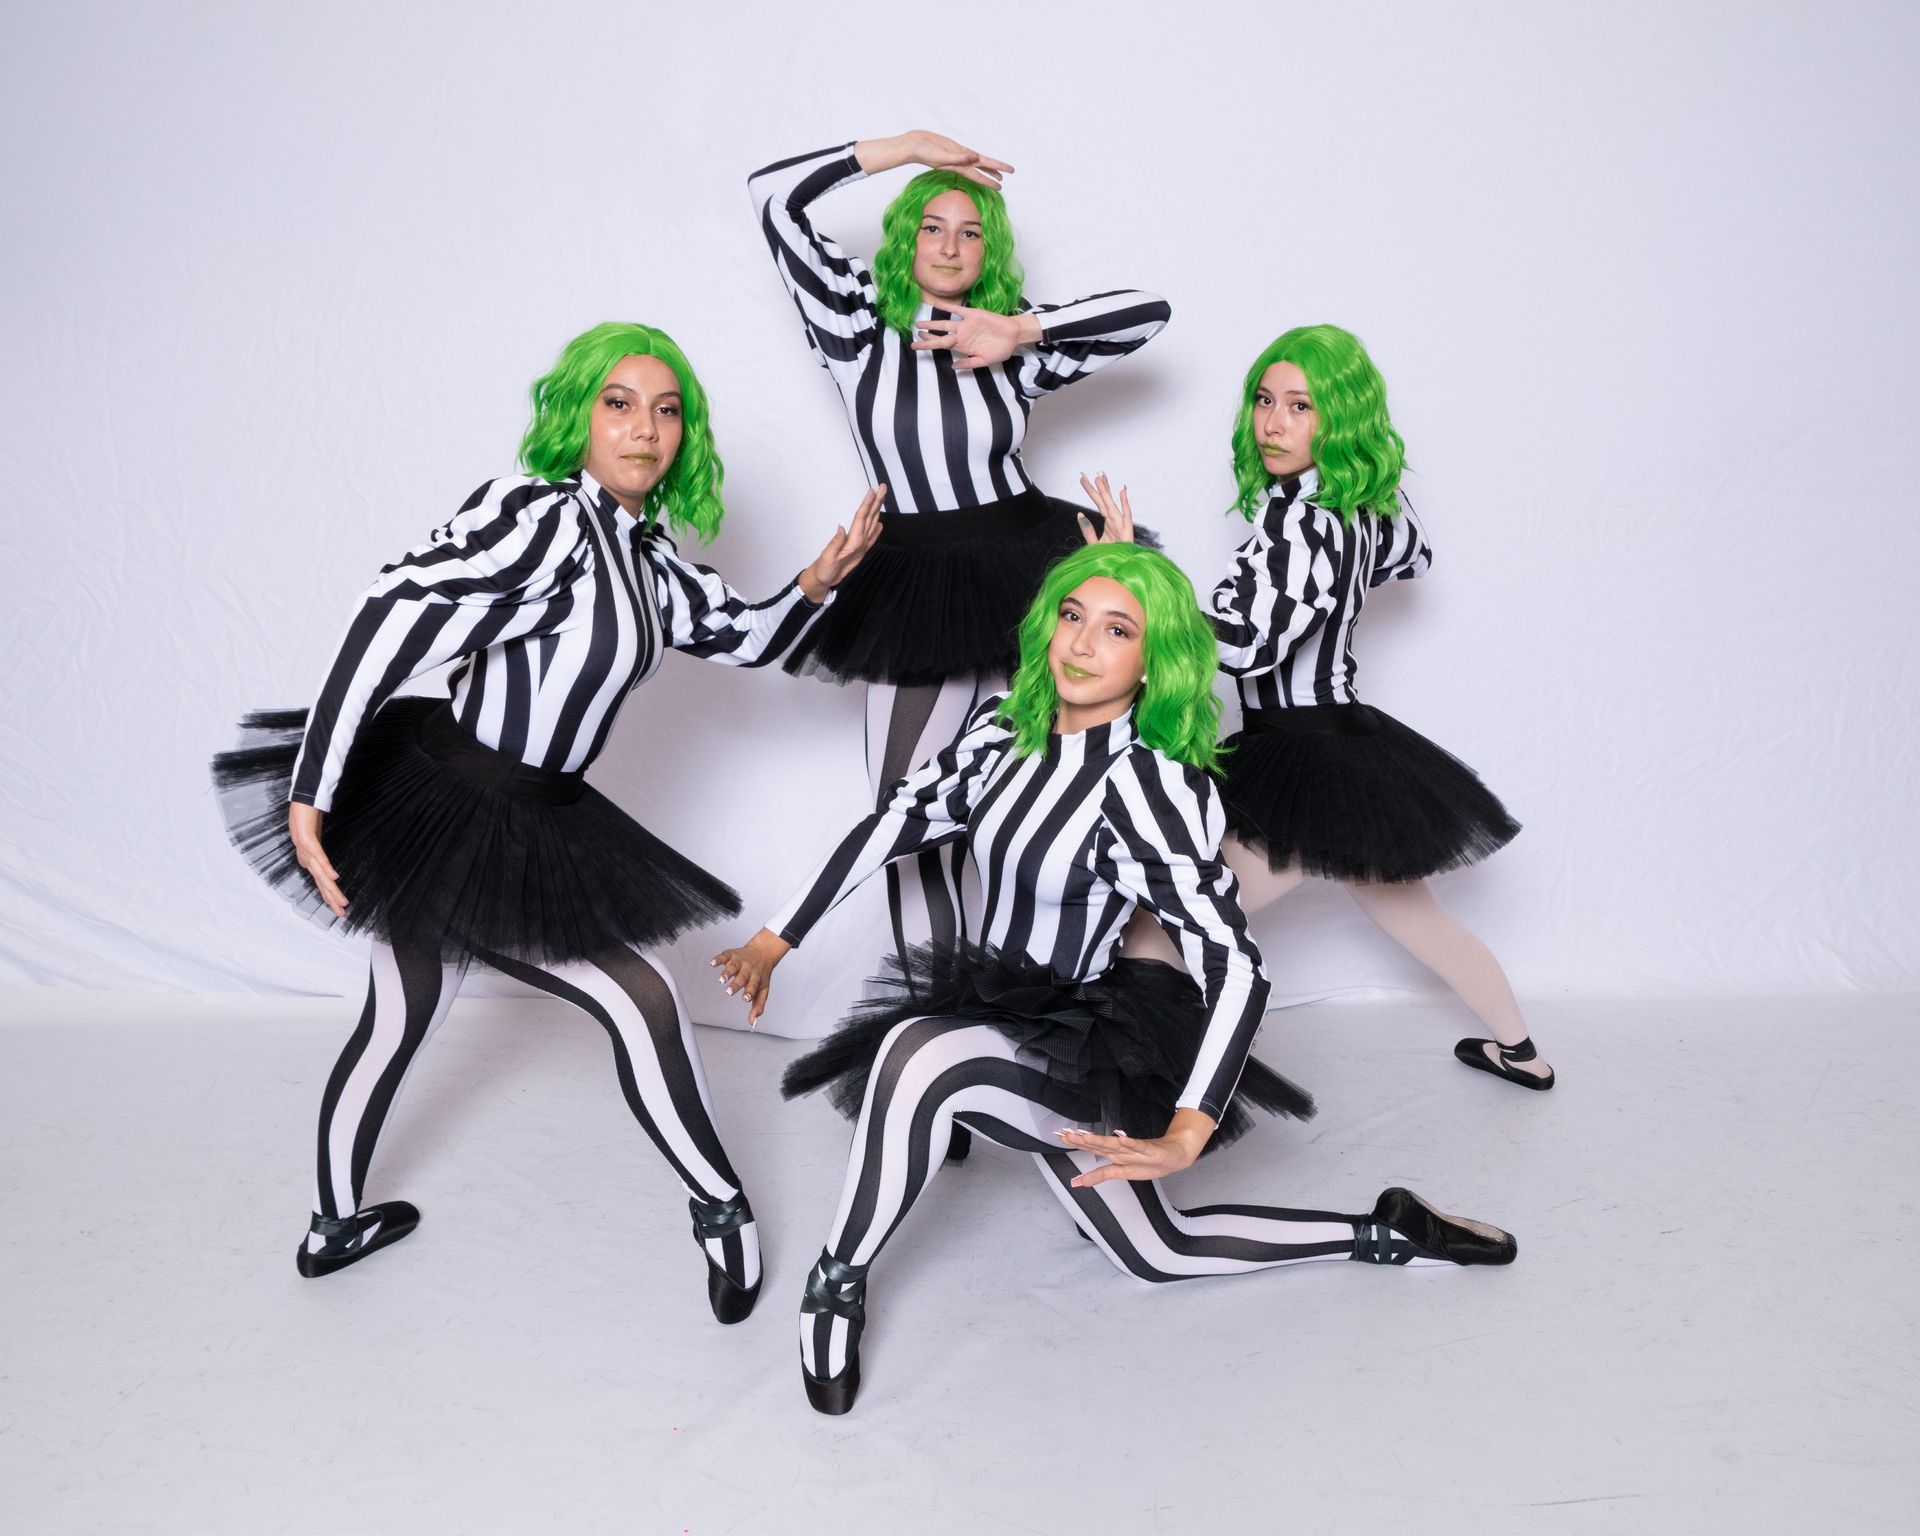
x,y
1095,741
601,500
1294,488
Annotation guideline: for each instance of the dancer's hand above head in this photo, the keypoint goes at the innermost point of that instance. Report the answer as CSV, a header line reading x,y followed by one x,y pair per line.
x,y
749,970
1130,1157
919,146
303,824
978,338
846,549
1118,515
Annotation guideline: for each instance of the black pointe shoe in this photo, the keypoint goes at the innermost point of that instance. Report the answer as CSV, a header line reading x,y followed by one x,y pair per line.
x,y
959,1143
838,1290
731,1301
1404,1227
1474,1054
832,1394
349,1239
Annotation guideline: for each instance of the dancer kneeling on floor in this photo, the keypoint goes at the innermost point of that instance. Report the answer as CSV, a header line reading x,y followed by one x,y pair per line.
x,y
1316,782
462,829
1085,793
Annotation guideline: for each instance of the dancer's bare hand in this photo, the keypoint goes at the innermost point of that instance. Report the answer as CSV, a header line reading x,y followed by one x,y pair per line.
x,y
748,970
1130,1157
846,549
977,338
1118,514
303,823
920,146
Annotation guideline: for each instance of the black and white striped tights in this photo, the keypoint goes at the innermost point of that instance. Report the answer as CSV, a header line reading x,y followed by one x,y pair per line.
x,y
931,1070
629,996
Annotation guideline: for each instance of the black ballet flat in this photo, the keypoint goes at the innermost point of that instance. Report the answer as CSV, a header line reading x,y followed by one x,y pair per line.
x,y
1419,1231
346,1242
730,1300
1473,1054
839,1289
959,1143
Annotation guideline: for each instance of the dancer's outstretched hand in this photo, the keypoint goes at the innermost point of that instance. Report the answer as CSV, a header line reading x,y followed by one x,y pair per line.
x,y
748,970
919,146
1118,515
1131,1157
303,823
846,549
978,338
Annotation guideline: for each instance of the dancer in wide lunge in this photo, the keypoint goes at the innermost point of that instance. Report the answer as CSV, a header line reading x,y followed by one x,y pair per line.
x,y
1316,782
1085,793
458,829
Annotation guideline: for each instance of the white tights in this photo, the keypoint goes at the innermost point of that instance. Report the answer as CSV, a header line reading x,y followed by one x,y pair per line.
x,y
1408,913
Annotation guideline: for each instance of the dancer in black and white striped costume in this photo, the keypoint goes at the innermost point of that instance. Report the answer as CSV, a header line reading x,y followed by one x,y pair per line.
x,y
938,358
1085,795
1318,783
462,829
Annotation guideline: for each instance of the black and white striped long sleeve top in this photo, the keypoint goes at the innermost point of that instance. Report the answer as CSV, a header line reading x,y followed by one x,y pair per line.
x,y
939,438
560,601
1068,842
1285,611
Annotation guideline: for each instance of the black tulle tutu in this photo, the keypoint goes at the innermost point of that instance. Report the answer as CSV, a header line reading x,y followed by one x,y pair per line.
x,y
1120,1046
1347,792
443,844
942,593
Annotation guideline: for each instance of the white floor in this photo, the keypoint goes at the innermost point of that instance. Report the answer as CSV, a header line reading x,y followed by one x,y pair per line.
x,y
1711,1326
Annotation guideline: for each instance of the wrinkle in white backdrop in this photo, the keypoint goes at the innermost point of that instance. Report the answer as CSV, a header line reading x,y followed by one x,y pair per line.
x,y
1639,284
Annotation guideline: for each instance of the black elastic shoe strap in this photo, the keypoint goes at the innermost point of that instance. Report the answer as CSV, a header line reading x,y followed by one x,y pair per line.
x,y
1372,1241
1524,1051
825,1291
337,1231
717,1221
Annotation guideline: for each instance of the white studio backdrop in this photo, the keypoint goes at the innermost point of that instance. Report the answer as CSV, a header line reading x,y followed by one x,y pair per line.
x,y
1640,278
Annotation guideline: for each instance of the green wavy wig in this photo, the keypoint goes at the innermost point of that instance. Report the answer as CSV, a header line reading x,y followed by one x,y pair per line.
x,y
1001,280
555,447
1175,712
1356,451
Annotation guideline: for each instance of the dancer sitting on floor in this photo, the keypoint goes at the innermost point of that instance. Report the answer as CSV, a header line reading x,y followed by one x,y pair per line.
x,y
1085,793
1316,782
463,829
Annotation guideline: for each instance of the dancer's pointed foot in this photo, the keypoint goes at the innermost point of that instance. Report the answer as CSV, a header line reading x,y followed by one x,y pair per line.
x,y
835,1394
1516,1063
1404,1229
834,1307
730,1240
334,1242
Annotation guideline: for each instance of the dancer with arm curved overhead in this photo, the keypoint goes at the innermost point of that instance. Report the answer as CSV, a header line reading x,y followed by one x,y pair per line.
x,y
1085,794
458,829
1316,782
939,360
